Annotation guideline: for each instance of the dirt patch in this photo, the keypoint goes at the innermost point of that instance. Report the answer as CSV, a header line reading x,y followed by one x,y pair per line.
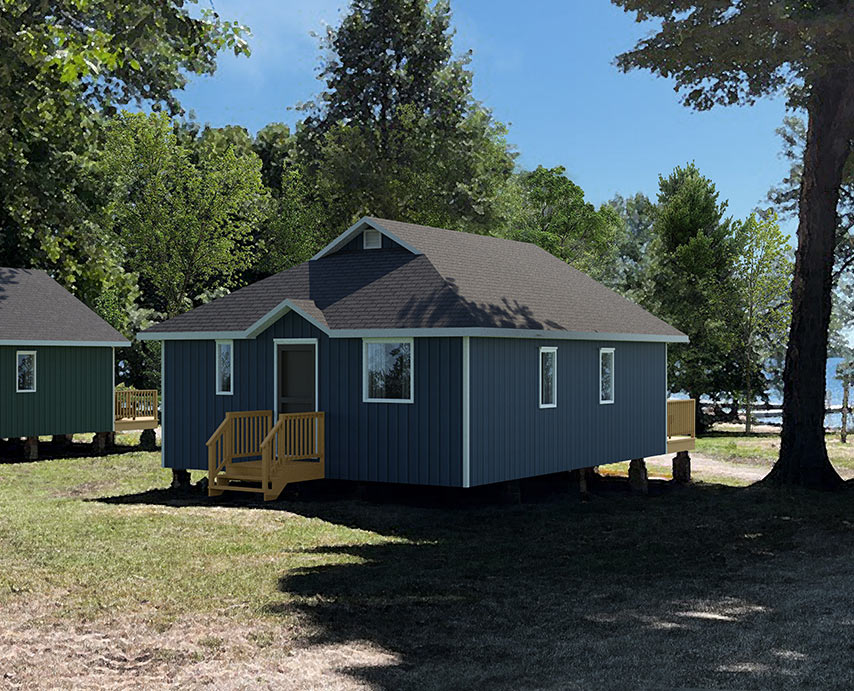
x,y
190,654
703,466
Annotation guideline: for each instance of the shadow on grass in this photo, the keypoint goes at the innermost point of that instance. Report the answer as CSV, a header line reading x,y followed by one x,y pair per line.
x,y
705,586
623,592
12,452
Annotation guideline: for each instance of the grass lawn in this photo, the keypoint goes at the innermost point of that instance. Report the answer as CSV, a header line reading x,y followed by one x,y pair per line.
x,y
106,579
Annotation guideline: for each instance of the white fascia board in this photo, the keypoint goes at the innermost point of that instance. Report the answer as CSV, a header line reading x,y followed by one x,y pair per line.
x,y
422,333
486,332
90,344
357,228
191,336
276,313
260,325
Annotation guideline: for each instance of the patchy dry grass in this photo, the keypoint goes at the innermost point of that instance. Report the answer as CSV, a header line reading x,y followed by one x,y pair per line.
x,y
106,582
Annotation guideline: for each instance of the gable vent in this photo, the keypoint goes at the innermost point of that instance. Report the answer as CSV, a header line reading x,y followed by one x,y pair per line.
x,y
372,239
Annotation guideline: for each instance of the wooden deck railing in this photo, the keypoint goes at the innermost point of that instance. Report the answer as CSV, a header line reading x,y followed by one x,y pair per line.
x,y
294,438
239,436
681,417
136,403
136,409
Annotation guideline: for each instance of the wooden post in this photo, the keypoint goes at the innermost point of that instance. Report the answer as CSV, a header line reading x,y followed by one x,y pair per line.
x,y
682,467
148,440
31,448
843,432
638,476
582,484
99,442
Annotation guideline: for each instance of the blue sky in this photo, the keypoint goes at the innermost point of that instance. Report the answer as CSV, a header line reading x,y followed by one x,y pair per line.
x,y
546,68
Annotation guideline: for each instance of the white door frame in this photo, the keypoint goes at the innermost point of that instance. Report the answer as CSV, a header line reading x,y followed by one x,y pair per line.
x,y
293,341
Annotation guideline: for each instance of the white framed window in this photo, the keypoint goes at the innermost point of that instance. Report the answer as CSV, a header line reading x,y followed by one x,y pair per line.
x,y
224,368
25,371
372,239
388,370
548,377
606,375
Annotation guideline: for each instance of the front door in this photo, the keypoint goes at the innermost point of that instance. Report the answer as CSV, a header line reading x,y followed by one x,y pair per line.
x,y
295,388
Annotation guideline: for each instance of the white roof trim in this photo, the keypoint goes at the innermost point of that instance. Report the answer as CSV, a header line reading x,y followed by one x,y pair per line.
x,y
91,344
480,332
354,230
260,325
278,311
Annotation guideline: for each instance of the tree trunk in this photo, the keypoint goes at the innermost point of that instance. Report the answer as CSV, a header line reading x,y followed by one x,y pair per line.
x,y
803,456
843,432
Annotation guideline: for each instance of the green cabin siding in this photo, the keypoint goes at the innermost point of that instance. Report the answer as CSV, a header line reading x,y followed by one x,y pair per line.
x,y
74,392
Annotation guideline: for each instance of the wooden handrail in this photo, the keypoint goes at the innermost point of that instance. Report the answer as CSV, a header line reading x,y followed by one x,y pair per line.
x,y
136,403
295,437
681,417
239,435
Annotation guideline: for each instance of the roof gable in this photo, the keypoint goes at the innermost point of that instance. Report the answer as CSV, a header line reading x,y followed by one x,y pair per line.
x,y
36,310
354,230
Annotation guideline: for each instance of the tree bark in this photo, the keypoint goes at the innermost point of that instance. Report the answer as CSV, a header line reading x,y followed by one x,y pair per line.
x,y
803,456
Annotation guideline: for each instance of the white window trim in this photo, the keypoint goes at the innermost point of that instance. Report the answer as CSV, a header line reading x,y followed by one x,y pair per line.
x,y
602,351
35,370
547,349
216,366
411,342
372,232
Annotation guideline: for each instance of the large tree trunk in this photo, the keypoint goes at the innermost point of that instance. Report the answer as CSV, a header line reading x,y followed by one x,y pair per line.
x,y
803,456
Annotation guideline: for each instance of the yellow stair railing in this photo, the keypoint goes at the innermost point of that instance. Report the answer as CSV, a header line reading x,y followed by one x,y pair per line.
x,y
291,450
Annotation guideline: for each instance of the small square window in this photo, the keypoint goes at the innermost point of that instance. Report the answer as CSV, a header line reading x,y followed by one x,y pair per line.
x,y
25,373
387,371
224,367
548,377
606,375
372,239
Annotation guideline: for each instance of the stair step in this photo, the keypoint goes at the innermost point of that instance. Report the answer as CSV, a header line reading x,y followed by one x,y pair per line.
x,y
237,488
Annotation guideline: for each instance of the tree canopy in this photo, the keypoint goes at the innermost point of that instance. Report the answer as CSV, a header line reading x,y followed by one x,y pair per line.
x,y
66,67
182,223
396,131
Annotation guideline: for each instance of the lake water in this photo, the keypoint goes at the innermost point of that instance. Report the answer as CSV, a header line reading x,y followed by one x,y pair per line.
x,y
834,390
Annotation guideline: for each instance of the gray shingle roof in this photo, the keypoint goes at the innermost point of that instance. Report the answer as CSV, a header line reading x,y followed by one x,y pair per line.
x,y
459,280
36,310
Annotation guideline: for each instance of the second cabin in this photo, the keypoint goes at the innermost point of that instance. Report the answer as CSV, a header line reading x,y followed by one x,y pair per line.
x,y
408,354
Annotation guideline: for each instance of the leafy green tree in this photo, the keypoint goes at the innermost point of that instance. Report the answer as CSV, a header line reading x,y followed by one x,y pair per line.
x,y
65,66
296,232
763,272
631,268
692,255
734,52
396,131
550,211
276,147
185,226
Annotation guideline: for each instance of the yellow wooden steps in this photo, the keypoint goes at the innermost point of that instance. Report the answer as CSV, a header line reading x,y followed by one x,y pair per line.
x,y
292,450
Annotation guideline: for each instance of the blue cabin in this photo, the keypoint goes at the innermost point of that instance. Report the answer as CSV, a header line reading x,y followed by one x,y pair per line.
x,y
408,354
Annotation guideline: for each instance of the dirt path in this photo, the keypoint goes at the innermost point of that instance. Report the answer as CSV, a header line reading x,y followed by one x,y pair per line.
x,y
704,468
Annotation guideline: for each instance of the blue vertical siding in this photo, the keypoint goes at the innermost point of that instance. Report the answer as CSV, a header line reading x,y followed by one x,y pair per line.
x,y
419,443
512,437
